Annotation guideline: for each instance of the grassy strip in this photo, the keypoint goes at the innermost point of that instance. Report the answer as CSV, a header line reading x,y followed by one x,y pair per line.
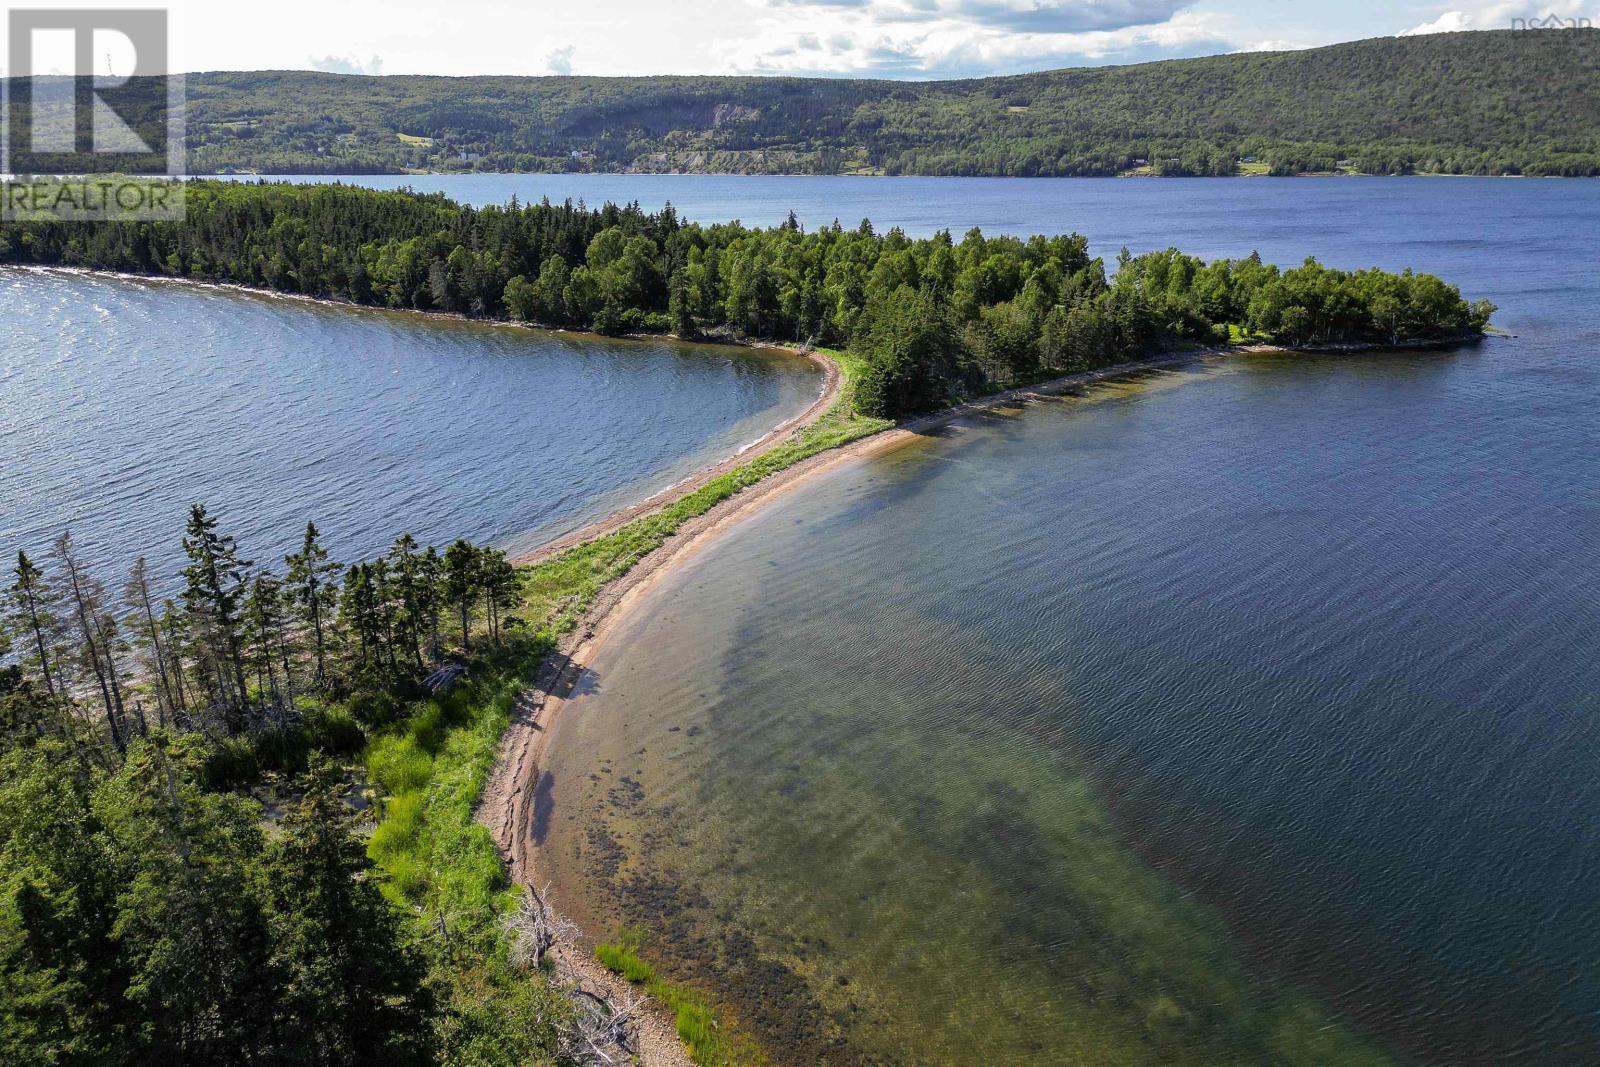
x,y
431,769
695,1019
443,867
432,766
558,591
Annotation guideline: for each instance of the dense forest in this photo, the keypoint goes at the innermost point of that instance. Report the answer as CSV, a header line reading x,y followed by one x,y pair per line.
x,y
152,910
1502,102
934,319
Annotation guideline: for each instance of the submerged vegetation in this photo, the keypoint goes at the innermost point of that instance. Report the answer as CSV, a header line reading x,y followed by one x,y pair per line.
x,y
694,1018
934,319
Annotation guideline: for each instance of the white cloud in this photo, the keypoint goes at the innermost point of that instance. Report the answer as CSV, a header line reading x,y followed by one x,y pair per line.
x,y
1510,14
1023,16
347,65
1273,46
559,60
968,38
1449,22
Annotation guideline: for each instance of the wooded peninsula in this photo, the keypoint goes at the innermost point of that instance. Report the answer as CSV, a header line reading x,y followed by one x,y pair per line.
x,y
934,319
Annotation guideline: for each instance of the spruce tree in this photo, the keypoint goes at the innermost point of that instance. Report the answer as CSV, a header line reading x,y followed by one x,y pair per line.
x,y
461,584
213,593
33,618
313,579
352,990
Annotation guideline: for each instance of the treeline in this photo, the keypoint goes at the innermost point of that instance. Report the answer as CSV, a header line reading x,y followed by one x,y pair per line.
x,y
233,652
1503,102
151,912
988,311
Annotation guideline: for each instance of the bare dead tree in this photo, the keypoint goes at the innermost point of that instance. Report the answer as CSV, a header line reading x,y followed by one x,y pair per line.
x,y
535,928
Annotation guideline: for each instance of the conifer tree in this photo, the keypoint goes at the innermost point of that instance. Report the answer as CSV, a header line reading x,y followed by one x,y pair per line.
x,y
213,594
141,618
352,991
86,602
312,584
32,617
461,584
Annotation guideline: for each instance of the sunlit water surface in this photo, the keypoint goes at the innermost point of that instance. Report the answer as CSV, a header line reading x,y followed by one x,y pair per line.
x,y
122,401
1243,713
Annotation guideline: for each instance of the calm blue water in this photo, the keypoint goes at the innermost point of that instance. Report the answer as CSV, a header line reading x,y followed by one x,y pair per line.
x,y
121,402
1320,637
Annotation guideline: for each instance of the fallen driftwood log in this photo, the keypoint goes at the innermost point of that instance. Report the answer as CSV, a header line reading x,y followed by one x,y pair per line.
x,y
445,678
604,1030
535,928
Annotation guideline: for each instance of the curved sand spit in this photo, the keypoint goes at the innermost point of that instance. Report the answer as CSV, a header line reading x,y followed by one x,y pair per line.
x,y
507,805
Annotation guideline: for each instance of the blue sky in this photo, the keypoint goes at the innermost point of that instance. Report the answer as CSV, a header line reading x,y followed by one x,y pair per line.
x,y
878,38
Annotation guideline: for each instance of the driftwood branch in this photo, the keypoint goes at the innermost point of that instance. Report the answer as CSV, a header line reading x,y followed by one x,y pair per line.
x,y
604,1029
535,928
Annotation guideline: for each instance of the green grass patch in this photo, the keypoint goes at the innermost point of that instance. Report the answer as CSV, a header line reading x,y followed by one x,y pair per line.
x,y
558,591
430,765
430,770
694,1017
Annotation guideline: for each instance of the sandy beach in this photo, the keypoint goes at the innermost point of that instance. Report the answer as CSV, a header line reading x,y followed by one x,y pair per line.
x,y
507,806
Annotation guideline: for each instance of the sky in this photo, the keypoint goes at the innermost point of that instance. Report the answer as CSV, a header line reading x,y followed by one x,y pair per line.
x,y
840,38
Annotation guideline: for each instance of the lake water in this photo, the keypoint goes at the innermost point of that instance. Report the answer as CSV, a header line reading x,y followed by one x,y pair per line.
x,y
1243,713
122,401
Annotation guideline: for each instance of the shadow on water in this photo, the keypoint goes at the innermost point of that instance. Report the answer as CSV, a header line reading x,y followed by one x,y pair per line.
x,y
544,806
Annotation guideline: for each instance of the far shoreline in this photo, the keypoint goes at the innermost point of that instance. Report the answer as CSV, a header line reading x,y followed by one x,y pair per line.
x,y
336,176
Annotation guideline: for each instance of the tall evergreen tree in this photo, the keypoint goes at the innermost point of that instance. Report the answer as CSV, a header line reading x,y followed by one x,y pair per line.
x,y
407,567
140,604
213,593
33,616
87,603
461,584
313,579
353,991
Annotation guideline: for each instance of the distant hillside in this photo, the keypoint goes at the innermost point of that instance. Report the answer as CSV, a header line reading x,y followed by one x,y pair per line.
x,y
1504,102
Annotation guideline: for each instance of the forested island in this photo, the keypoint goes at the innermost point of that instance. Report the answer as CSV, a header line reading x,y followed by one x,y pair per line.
x,y
934,319
188,871
1501,102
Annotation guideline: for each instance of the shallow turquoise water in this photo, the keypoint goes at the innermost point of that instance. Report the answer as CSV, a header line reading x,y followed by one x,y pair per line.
x,y
1216,718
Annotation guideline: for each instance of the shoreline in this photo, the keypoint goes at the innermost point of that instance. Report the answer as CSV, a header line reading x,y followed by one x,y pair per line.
x,y
506,808
831,383
332,177
710,340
